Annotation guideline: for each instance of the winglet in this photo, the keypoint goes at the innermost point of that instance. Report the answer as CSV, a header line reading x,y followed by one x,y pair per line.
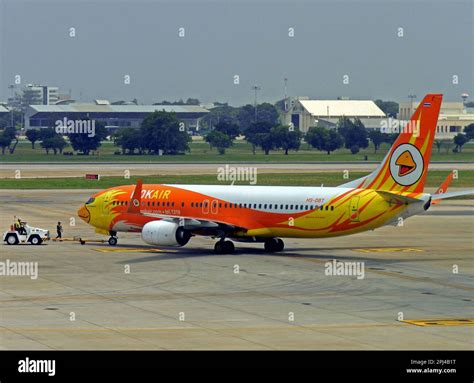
x,y
443,188
136,200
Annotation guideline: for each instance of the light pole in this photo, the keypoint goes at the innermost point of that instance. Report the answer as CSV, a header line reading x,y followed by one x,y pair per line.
x,y
11,87
256,88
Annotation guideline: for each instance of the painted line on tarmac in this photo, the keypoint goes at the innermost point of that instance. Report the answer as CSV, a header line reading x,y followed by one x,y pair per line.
x,y
133,250
440,322
390,250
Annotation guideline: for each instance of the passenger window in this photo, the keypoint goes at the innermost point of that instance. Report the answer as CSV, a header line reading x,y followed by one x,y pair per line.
x,y
332,207
265,206
259,205
286,207
270,206
291,207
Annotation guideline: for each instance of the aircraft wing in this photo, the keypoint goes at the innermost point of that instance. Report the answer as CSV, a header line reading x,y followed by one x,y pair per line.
x,y
191,223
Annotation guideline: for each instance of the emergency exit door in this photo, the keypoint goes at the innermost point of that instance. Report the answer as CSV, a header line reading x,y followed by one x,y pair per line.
x,y
354,209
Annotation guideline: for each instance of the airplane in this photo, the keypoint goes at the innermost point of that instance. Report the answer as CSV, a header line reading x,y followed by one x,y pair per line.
x,y
170,215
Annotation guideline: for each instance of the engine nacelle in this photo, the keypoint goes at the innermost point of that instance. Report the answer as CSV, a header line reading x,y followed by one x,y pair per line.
x,y
164,233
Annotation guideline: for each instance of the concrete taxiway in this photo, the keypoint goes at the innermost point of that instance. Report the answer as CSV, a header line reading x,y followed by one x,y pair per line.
x,y
417,291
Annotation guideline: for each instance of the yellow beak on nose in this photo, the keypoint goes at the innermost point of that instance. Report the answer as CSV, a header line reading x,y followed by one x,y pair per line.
x,y
84,214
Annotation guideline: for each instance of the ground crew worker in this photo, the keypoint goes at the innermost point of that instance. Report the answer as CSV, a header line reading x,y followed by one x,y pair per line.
x,y
59,230
21,227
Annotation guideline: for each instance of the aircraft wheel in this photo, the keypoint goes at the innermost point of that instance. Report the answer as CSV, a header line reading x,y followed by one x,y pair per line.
x,y
271,245
219,247
35,240
229,247
224,247
113,241
280,245
11,239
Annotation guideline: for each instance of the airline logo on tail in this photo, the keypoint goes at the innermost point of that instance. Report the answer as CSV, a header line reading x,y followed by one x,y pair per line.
x,y
406,164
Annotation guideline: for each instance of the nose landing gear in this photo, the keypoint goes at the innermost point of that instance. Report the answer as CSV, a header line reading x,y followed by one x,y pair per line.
x,y
113,238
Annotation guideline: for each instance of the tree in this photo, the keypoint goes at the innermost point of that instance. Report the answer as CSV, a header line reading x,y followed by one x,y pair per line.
x,y
162,132
390,108
129,139
33,135
459,140
285,138
377,138
84,143
192,101
246,116
5,141
265,113
324,139
55,143
469,131
219,140
228,128
221,113
355,149
354,133
258,134
9,135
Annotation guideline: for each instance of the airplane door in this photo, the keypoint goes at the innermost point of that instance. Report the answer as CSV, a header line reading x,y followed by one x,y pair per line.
x,y
105,204
354,209
214,207
205,206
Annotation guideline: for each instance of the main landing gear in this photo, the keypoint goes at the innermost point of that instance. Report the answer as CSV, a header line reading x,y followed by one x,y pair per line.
x,y
113,238
272,245
224,247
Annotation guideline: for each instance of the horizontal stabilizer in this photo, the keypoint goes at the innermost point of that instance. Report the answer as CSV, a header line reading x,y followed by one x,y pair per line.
x,y
439,196
397,198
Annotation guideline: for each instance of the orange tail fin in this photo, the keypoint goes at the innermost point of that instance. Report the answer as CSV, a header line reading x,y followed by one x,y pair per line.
x,y
405,166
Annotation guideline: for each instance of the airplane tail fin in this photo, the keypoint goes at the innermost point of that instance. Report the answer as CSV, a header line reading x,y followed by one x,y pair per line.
x,y
405,166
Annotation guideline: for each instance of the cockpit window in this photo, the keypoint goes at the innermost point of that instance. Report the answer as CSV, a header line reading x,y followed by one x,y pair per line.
x,y
90,200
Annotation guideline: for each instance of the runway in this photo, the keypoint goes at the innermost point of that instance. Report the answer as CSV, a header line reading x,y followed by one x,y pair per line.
x,y
8,170
136,296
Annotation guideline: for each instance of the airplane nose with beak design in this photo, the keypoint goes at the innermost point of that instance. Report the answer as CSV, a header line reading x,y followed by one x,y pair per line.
x,y
84,214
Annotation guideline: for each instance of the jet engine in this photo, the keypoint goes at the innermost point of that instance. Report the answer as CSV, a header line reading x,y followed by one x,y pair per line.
x,y
164,233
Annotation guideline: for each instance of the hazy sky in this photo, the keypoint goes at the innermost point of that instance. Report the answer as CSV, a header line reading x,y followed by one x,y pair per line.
x,y
245,38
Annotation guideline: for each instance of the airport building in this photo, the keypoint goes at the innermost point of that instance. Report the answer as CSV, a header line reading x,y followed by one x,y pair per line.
x,y
40,95
305,113
453,117
3,111
113,116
